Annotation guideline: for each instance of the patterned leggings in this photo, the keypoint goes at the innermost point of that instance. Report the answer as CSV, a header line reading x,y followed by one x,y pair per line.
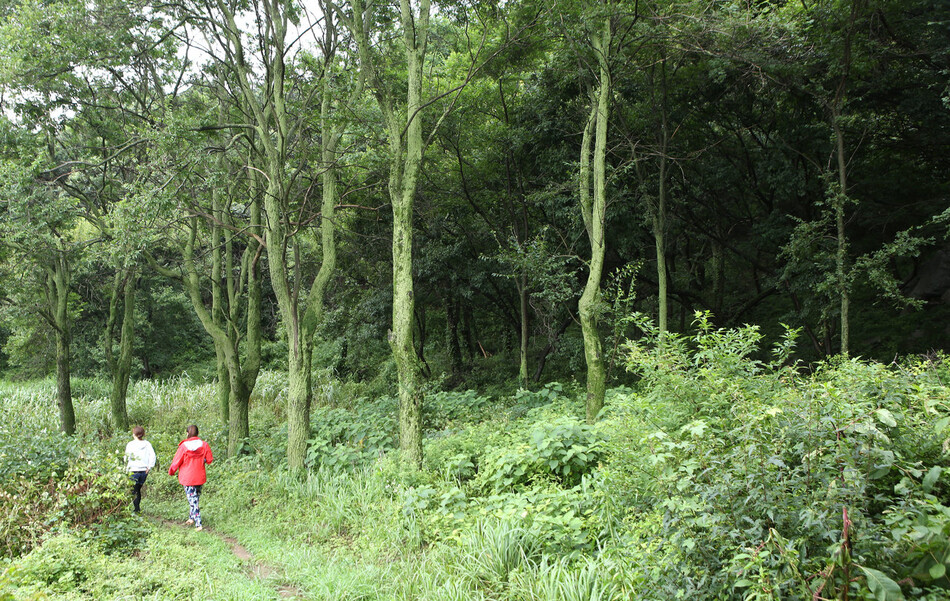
x,y
193,493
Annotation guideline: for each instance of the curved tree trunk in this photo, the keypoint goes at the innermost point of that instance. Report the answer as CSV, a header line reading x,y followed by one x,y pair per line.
x,y
594,211
57,290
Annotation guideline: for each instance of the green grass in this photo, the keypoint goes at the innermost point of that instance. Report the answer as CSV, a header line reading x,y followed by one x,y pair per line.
x,y
670,506
173,564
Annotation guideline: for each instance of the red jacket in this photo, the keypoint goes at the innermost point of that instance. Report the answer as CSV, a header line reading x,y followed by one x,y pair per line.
x,y
191,456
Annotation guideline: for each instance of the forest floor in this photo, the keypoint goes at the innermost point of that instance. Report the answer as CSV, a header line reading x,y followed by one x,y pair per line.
x,y
254,568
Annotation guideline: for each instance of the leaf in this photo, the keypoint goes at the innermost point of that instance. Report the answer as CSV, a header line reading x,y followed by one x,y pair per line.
x,y
931,478
942,424
886,417
938,571
882,587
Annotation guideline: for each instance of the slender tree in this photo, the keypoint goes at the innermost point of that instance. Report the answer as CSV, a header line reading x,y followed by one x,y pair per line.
x,y
593,192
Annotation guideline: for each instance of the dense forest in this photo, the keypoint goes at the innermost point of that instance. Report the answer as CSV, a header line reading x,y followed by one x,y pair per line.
x,y
673,275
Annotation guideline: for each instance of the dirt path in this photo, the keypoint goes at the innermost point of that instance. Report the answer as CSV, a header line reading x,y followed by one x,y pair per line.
x,y
255,569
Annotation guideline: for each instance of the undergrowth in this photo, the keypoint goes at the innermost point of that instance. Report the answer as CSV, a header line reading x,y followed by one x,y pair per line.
x,y
721,476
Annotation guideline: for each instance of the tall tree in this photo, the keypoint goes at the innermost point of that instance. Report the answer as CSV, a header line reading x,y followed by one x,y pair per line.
x,y
63,58
276,105
593,198
403,122
404,108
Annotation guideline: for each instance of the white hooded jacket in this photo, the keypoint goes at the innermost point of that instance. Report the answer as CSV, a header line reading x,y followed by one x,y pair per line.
x,y
139,456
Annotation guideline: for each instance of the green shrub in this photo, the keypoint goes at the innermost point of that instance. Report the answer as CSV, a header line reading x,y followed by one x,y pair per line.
x,y
770,479
346,439
442,409
62,565
91,495
524,400
457,454
563,450
36,456
560,521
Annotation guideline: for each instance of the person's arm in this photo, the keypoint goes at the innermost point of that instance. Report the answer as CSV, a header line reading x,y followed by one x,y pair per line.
x,y
176,462
152,459
208,457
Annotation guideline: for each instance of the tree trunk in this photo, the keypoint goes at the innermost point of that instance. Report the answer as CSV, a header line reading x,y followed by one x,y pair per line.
x,y
298,352
236,380
298,408
123,364
659,213
468,332
719,273
410,395
251,367
217,303
404,176
543,357
238,423
223,387
109,332
659,230
523,349
406,146
594,212
841,255
57,287
452,335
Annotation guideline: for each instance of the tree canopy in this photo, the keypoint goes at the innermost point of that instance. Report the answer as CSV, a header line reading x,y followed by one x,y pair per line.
x,y
422,196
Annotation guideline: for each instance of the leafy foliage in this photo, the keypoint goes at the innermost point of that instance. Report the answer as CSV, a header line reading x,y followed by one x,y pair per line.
x,y
344,439
777,482
90,495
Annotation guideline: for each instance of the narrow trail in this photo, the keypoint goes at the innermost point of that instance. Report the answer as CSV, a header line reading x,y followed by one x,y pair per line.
x,y
255,569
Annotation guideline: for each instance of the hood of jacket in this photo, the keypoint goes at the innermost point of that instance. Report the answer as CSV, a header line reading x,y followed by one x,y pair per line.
x,y
192,445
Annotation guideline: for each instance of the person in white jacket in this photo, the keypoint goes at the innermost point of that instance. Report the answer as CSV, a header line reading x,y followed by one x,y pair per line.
x,y
140,459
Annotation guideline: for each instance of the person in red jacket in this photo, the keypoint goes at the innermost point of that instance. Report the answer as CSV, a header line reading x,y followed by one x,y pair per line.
x,y
190,459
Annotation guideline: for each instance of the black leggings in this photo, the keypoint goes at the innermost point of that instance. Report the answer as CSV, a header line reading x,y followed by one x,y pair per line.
x,y
138,478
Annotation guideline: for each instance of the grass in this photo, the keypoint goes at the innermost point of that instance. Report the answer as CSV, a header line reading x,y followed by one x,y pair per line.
x,y
172,564
383,531
339,535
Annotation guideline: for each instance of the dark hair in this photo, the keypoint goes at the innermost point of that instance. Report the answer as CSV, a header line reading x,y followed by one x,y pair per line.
x,y
192,431
138,432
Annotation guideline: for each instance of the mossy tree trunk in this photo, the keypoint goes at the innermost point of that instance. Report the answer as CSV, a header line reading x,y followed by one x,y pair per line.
x,y
406,146
217,297
58,279
523,304
237,375
659,212
841,253
452,333
240,372
123,295
593,209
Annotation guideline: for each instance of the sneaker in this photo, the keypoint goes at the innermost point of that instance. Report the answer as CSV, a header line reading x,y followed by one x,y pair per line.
x,y
198,528
189,522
